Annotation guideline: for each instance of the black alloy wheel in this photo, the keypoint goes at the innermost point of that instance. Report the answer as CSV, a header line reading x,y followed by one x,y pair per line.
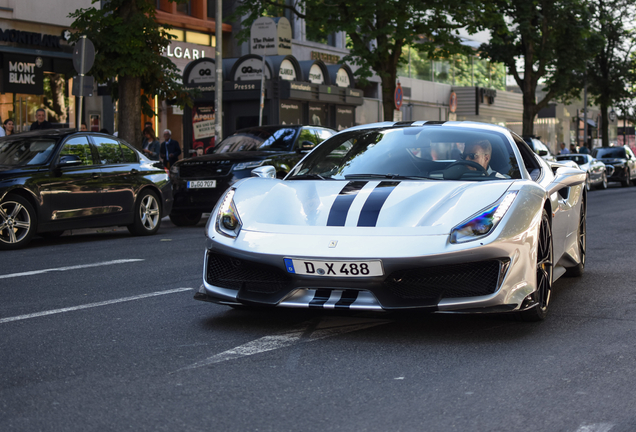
x,y
18,222
545,267
185,219
147,214
581,242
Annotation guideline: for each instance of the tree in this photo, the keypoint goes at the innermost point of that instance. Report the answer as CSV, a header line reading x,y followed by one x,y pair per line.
x,y
553,41
377,30
129,43
612,73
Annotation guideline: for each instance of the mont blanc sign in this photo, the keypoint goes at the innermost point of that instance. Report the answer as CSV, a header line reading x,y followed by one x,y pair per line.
x,y
22,74
270,36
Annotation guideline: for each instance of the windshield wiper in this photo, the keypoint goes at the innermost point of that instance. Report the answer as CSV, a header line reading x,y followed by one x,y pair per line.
x,y
387,176
309,177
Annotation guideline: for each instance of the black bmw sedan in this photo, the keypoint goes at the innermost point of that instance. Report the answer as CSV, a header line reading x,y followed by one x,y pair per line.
x,y
56,180
198,182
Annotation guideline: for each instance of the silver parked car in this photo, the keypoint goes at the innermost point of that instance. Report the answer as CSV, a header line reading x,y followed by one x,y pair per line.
x,y
450,217
597,172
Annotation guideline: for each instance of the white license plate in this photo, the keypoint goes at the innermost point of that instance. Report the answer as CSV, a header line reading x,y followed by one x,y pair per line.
x,y
201,184
334,268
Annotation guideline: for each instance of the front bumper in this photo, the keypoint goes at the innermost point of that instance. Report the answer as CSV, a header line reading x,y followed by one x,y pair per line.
x,y
495,276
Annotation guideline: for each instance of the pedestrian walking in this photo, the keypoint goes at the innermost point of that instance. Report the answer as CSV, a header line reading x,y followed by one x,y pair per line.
x,y
170,149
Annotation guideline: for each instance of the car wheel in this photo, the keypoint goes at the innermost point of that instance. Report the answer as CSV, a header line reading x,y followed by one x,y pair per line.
x,y
544,268
51,234
582,244
603,184
18,222
185,219
628,180
588,186
147,214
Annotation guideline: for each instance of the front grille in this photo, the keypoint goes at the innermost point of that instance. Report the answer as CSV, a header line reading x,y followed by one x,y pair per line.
x,y
232,273
449,281
204,170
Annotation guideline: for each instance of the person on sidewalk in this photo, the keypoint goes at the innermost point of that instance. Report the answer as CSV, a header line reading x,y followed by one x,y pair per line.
x,y
170,149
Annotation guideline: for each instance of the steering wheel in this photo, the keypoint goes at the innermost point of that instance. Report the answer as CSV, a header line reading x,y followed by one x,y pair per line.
x,y
452,172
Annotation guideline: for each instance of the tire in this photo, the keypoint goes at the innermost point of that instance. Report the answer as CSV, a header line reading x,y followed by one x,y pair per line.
x,y
544,268
51,234
603,184
588,186
577,270
18,222
628,180
147,214
185,219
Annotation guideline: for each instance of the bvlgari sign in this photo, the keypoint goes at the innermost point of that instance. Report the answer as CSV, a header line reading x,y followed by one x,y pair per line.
x,y
22,74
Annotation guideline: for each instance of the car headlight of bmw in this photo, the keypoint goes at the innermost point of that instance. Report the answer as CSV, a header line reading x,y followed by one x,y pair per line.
x,y
228,221
174,169
484,222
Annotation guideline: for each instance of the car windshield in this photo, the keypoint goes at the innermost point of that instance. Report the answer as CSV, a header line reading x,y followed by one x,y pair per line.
x,y
609,153
258,139
579,159
425,152
26,151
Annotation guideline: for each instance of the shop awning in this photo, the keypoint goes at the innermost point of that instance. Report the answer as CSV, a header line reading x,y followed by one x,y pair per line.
x,y
590,122
35,52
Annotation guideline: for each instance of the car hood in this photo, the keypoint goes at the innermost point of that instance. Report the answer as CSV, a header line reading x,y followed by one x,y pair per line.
x,y
432,207
231,157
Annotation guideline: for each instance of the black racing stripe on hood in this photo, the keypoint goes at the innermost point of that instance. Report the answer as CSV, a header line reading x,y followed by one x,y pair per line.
x,y
342,203
371,209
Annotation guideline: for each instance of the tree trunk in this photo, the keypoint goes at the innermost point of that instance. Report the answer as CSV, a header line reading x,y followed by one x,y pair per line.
x,y
388,96
604,126
529,112
129,113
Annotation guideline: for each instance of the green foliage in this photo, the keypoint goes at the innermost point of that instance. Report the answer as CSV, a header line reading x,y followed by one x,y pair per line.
x,y
550,37
129,42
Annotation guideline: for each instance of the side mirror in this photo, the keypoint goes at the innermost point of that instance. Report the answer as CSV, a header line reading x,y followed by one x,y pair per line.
x,y
69,160
266,171
542,152
566,177
306,146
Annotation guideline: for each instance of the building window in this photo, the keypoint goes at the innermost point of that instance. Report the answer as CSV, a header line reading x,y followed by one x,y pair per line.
x,y
211,9
184,8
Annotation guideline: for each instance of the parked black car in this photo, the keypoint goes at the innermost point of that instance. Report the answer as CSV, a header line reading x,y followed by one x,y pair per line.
x,y
56,180
621,159
198,182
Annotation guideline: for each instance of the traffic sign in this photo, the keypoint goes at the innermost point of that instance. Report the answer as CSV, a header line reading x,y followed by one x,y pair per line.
x,y
399,95
83,55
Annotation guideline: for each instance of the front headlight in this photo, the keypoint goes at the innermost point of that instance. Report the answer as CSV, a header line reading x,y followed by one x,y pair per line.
x,y
174,169
228,221
484,222
248,165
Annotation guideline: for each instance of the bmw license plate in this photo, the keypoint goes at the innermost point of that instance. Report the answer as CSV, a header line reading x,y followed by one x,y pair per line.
x,y
201,184
334,268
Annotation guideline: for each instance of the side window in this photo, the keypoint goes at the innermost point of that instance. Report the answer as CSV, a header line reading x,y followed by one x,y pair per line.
x,y
109,150
77,148
307,139
529,158
323,134
129,154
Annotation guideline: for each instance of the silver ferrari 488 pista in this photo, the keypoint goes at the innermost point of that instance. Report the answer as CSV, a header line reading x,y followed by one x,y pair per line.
x,y
437,216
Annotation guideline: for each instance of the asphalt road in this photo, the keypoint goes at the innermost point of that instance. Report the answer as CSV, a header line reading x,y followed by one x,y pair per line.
x,y
99,332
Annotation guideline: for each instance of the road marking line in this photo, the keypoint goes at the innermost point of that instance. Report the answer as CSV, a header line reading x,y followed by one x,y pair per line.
x,y
598,427
105,263
91,305
327,328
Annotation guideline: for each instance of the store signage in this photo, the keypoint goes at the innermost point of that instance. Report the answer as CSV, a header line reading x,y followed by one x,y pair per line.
x,y
287,70
487,95
203,120
182,52
315,75
345,117
300,87
30,38
284,35
342,78
290,113
270,37
22,74
250,70
327,58
202,74
317,115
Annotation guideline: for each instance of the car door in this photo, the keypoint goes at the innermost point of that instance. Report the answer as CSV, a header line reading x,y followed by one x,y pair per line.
x,y
119,178
75,184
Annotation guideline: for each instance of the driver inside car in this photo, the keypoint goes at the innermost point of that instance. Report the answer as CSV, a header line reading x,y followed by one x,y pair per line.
x,y
480,152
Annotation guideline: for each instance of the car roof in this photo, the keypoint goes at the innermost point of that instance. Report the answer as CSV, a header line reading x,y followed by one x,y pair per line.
x,y
276,127
57,133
